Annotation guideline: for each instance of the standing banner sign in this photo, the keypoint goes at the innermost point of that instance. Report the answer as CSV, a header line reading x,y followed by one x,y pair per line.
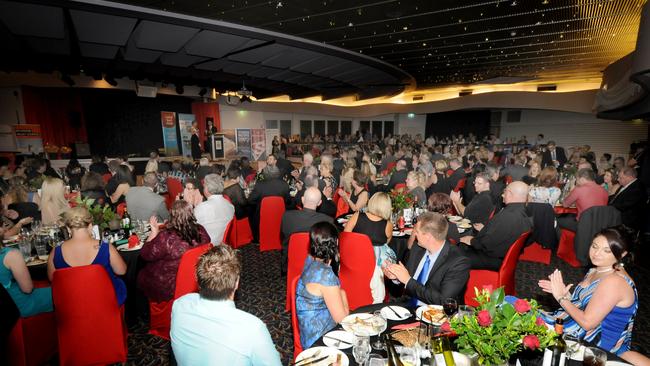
x,y
258,144
244,142
185,124
169,132
28,138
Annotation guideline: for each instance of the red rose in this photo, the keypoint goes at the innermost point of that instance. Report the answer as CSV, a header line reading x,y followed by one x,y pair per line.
x,y
484,318
531,341
540,321
522,306
445,327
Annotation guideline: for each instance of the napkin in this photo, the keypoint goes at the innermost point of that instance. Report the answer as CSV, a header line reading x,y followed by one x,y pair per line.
x,y
406,326
134,241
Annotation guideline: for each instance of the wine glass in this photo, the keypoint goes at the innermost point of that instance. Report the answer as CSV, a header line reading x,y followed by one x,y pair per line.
x,y
378,325
450,306
361,348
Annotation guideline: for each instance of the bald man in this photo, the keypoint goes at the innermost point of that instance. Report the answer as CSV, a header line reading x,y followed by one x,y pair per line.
x,y
487,249
295,221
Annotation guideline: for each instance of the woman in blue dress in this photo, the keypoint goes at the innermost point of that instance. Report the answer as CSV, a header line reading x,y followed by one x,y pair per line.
x,y
320,301
602,307
82,250
15,278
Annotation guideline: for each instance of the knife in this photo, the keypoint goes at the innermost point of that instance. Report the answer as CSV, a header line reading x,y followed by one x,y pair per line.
x,y
314,361
336,339
395,312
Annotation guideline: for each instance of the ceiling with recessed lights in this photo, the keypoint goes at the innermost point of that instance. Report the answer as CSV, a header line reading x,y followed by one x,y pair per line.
x,y
446,42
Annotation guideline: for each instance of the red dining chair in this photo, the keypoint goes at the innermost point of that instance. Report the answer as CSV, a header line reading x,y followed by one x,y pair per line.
x,y
270,221
460,185
174,188
297,346
505,277
160,313
342,208
536,253
240,232
90,323
226,233
297,253
566,248
356,268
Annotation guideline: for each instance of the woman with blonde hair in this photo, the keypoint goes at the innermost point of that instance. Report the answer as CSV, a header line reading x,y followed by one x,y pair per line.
x,y
376,224
53,202
82,250
415,181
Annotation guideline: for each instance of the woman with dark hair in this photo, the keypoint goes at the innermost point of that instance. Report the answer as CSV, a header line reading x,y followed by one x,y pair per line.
x,y
320,301
119,184
610,181
92,186
73,172
358,196
235,192
163,251
441,203
603,305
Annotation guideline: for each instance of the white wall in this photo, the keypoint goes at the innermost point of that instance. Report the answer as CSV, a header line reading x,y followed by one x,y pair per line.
x,y
411,126
11,106
571,129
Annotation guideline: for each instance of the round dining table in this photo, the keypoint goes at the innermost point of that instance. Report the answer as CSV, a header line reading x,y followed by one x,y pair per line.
x,y
412,319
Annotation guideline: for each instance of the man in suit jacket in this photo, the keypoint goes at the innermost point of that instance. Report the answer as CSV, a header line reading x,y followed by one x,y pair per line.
x,y
631,198
456,176
487,249
142,202
435,269
553,156
399,176
272,185
295,221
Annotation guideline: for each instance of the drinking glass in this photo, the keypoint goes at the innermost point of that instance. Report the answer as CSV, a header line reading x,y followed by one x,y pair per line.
x,y
41,249
594,357
361,348
450,306
379,325
408,356
573,344
25,246
465,310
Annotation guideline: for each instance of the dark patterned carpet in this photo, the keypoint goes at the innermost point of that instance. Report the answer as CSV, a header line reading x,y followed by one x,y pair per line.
x,y
262,293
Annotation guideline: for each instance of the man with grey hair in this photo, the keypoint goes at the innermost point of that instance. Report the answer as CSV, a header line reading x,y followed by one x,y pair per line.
x,y
143,203
216,212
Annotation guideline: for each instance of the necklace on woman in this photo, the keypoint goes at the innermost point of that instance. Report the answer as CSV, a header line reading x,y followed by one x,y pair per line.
x,y
604,270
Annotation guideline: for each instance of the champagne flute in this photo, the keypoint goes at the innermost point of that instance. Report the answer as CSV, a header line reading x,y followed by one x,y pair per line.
x,y
378,325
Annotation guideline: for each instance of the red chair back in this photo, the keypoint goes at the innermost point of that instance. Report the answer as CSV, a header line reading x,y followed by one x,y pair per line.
x,y
271,212
391,165
186,276
297,347
460,185
106,177
32,341
342,208
494,279
89,321
227,232
356,268
298,252
566,248
174,188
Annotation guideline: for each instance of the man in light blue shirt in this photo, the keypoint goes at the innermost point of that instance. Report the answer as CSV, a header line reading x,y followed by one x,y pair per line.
x,y
207,328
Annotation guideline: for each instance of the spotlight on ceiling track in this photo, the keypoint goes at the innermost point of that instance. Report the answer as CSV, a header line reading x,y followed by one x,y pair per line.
x,y
67,79
245,98
465,92
110,80
203,92
245,94
180,89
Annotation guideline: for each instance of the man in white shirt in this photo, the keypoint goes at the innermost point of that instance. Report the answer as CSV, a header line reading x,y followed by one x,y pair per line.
x,y
207,328
216,212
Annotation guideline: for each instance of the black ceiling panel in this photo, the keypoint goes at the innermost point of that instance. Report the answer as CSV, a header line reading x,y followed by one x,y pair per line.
x,y
102,28
34,20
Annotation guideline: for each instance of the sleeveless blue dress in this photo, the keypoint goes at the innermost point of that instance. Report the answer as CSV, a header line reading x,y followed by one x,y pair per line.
x,y
614,333
103,259
39,301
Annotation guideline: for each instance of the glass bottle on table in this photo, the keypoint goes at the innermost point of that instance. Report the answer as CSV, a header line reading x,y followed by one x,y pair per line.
x,y
559,349
393,356
440,346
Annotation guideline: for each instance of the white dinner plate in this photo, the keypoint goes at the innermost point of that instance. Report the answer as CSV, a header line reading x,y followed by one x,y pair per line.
x,y
617,363
389,314
125,247
454,218
423,308
463,226
11,239
398,233
339,339
324,351
359,323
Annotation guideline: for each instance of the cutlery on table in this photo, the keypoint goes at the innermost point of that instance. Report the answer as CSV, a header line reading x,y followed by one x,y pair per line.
x,y
394,312
315,361
301,362
339,341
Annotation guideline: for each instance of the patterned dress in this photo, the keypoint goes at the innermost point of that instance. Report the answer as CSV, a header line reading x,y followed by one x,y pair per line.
x,y
314,319
614,333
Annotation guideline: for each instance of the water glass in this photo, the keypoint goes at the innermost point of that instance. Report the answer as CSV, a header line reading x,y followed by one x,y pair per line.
x,y
465,310
379,325
361,349
41,249
594,357
25,248
409,357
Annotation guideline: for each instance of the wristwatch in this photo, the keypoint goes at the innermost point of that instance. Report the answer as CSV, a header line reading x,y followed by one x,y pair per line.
x,y
563,298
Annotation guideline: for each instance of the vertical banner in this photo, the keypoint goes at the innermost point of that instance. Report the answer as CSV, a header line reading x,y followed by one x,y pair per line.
x,y
217,145
270,134
185,124
244,142
28,139
169,132
258,144
229,144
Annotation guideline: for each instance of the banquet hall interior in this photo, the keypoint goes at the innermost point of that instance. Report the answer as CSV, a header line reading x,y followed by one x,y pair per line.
x,y
158,126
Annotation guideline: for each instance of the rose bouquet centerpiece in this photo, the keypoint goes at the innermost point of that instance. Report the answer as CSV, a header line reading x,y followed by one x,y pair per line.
x,y
400,200
500,329
103,215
